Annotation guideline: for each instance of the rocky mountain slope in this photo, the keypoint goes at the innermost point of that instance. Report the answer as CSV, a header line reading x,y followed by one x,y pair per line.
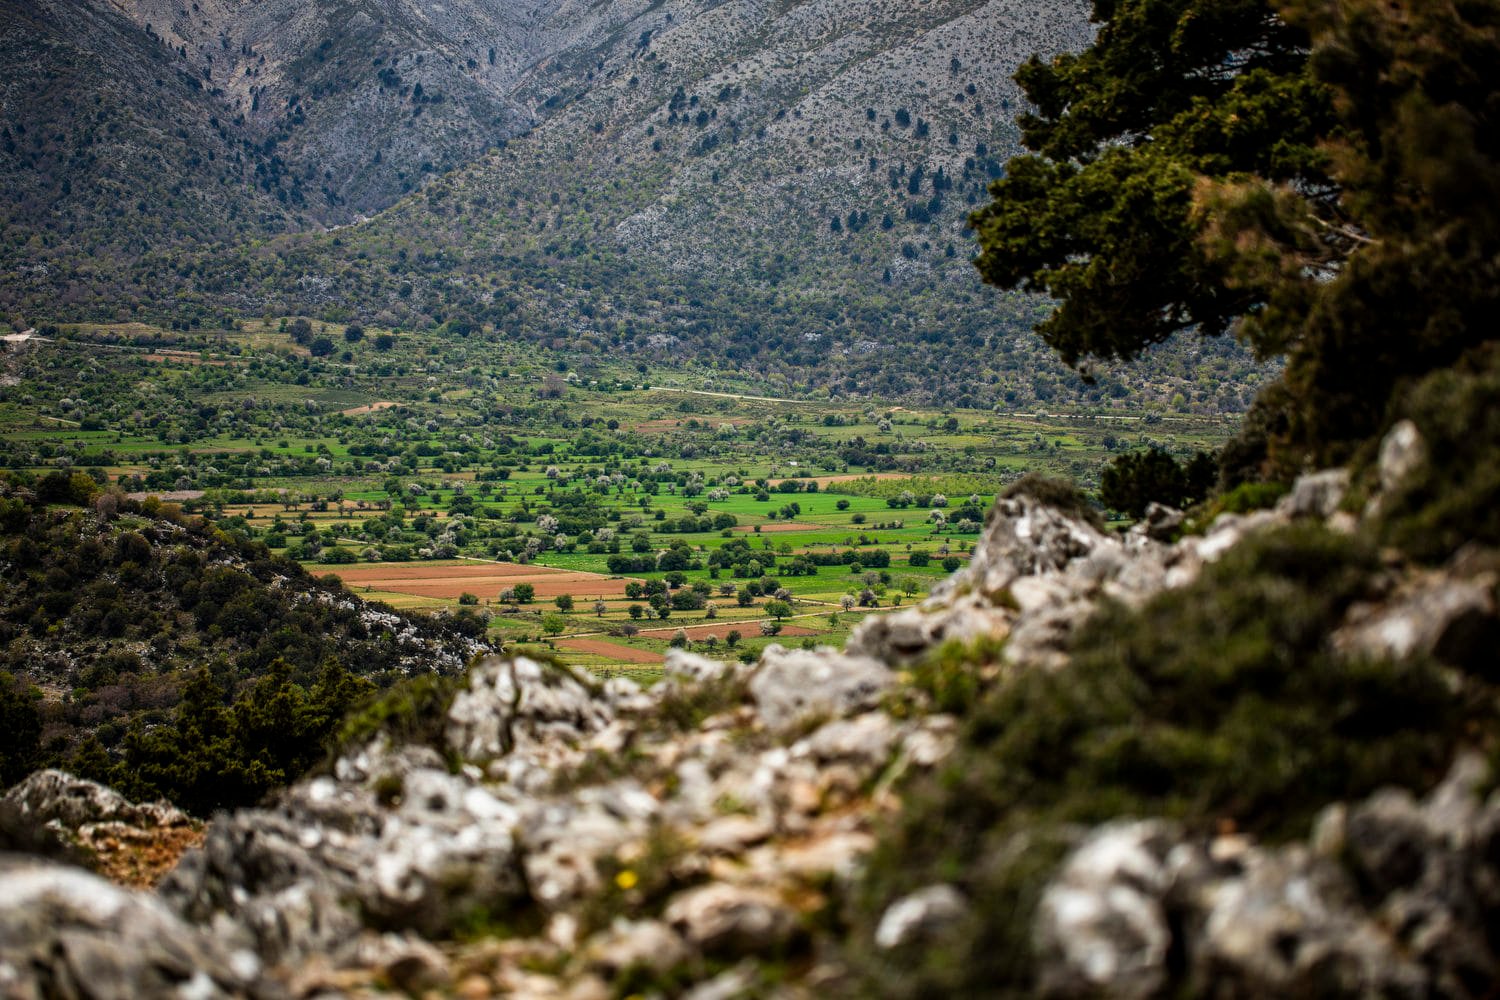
x,y
780,188
109,148
776,188
827,821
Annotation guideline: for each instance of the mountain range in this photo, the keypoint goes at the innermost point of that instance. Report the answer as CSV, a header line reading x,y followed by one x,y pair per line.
x,y
779,187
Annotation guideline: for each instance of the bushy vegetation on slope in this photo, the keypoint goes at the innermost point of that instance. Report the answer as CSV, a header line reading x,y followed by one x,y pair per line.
x,y
1320,176
1220,705
175,659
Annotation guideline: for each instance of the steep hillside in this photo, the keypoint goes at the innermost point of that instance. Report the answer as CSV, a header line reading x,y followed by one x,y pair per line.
x,y
117,618
360,99
777,188
110,148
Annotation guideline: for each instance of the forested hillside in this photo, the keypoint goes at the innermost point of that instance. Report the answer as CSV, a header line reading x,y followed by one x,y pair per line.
x,y
119,619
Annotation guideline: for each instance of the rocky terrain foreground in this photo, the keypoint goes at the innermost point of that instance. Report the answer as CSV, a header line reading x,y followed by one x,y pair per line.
x,y
553,836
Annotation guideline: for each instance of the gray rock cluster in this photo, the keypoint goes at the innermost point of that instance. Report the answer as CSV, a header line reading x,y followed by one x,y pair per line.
x,y
1389,897
67,933
552,792
65,803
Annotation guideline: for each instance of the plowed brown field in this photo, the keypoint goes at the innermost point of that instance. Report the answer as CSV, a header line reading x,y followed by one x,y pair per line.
x,y
613,650
485,580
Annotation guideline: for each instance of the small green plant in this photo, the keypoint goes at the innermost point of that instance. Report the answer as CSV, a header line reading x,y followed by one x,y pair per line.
x,y
410,711
1251,496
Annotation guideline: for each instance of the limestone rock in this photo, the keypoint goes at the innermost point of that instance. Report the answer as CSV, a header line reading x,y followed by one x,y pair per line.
x,y
514,701
1406,918
1317,494
792,685
1101,926
919,915
731,920
1402,451
865,741
1287,922
1453,620
1160,523
414,851
905,636
52,796
1023,538
684,665
67,933
629,944
563,840
55,814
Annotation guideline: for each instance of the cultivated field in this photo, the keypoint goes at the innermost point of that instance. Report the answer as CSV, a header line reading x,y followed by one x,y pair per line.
x,y
612,651
482,579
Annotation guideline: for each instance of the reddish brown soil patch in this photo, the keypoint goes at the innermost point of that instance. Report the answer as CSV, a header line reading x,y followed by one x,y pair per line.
x,y
481,579
672,424
719,631
138,857
776,526
846,478
613,650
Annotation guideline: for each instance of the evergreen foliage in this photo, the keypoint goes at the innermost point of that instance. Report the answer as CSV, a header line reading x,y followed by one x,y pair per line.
x,y
1320,177
1133,480
180,660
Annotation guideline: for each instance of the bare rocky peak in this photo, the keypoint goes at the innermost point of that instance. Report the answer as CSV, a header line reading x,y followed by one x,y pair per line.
x,y
361,101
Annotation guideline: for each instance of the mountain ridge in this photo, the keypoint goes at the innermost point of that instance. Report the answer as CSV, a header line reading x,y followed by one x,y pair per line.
x,y
782,185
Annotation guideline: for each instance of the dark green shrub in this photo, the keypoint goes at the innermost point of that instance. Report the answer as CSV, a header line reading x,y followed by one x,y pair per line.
x,y
414,710
1251,496
1130,482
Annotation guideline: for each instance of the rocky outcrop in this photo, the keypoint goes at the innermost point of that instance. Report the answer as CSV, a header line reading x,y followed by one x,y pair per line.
x,y
1390,897
57,814
567,793
681,834
67,933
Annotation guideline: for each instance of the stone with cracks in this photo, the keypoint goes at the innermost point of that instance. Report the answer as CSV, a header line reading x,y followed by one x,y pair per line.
x,y
793,685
